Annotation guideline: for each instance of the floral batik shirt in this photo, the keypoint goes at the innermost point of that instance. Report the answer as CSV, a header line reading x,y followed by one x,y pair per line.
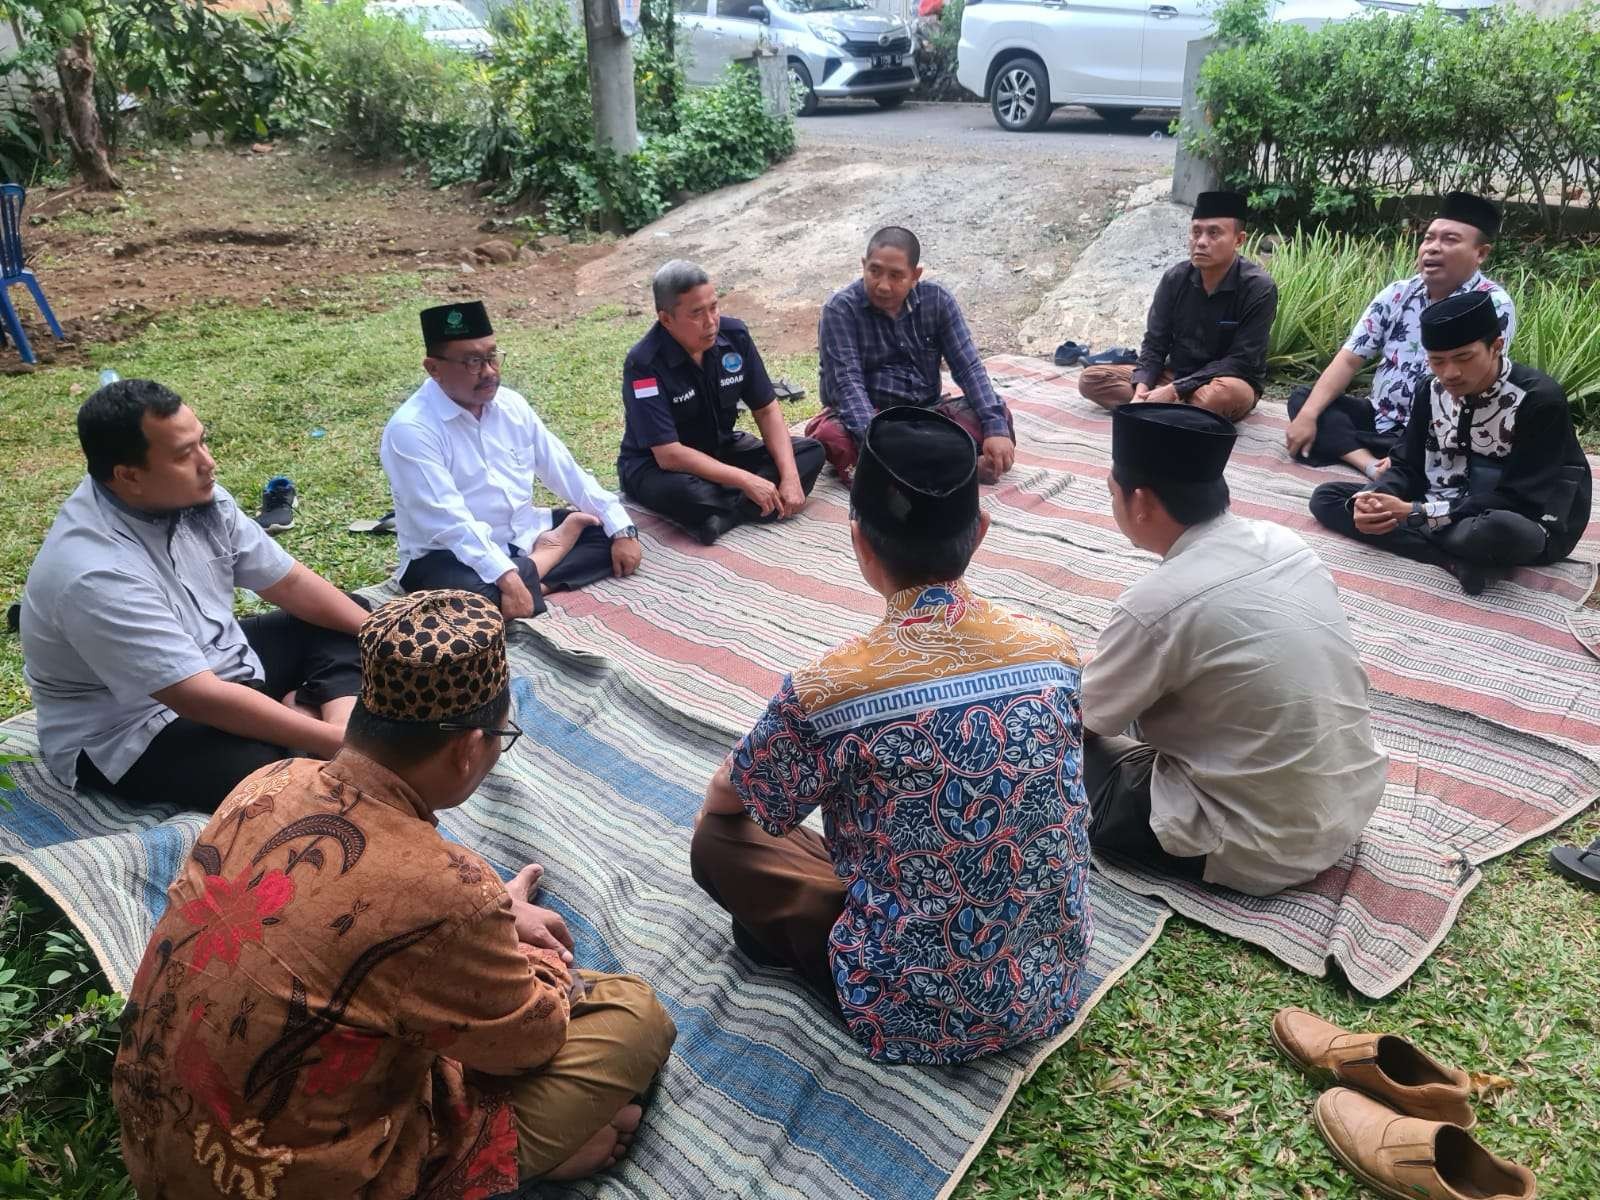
x,y
1392,327
944,749
326,973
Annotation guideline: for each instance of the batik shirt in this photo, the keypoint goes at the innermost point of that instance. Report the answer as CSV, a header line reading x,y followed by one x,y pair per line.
x,y
327,971
944,750
1392,326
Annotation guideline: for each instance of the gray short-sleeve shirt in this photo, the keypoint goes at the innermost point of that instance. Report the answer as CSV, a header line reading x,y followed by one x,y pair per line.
x,y
120,604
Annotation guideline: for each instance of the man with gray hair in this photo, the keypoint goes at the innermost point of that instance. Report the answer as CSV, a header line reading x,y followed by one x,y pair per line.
x,y
681,389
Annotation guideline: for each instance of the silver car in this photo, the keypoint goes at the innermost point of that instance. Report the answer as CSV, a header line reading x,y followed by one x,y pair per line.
x,y
837,49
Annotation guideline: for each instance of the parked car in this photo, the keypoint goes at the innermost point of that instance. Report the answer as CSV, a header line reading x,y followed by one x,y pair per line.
x,y
443,22
1029,57
837,49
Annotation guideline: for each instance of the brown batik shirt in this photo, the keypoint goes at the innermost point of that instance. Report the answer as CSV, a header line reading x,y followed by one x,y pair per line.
x,y
314,1006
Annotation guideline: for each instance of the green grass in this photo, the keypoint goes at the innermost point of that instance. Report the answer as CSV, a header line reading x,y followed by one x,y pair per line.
x,y
1172,1089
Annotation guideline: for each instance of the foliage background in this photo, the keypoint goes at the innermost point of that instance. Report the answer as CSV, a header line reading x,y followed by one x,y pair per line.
x,y
519,123
1335,122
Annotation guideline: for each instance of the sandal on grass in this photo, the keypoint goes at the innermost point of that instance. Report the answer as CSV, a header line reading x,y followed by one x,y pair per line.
x,y
1580,866
786,391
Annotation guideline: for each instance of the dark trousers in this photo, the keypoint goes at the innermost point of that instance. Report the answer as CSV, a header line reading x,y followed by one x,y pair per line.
x,y
782,893
196,765
1116,776
588,560
1346,425
691,501
1495,539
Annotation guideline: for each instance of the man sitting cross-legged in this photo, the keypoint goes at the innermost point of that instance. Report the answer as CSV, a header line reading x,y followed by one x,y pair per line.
x,y
146,684
1489,475
340,1002
1254,765
1205,340
462,456
944,913
879,344
682,385
1327,425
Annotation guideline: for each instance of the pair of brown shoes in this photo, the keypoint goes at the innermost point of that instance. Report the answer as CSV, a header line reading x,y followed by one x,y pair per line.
x,y
1400,1121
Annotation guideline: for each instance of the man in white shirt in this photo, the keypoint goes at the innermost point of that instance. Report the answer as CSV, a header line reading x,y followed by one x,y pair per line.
x,y
462,455
1254,765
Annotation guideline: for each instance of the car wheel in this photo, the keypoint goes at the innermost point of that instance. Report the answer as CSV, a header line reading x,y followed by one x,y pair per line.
x,y
1020,99
890,101
1114,116
802,96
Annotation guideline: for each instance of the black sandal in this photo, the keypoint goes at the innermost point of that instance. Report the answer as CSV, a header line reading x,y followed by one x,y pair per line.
x,y
1580,866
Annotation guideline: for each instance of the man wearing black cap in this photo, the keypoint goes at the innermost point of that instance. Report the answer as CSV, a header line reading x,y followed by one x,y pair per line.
x,y
945,913
1326,423
462,456
1489,474
1205,340
1254,765
682,385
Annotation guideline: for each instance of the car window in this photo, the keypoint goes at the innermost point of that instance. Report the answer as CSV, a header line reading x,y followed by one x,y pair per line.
x,y
738,10
693,8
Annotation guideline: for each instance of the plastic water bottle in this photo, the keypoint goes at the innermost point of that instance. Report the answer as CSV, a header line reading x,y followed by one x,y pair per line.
x,y
108,376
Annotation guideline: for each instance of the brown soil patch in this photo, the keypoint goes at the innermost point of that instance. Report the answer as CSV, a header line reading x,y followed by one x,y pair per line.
x,y
293,227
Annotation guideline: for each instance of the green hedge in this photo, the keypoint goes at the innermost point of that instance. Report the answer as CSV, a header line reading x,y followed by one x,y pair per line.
x,y
1326,279
1333,123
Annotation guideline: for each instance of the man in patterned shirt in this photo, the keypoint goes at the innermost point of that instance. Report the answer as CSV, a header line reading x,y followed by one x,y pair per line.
x,y
1490,474
339,1002
944,912
1328,425
879,343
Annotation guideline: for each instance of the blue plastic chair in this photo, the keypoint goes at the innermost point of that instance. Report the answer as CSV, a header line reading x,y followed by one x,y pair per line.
x,y
13,270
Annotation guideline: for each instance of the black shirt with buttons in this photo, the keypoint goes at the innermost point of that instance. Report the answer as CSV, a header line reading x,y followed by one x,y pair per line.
x,y
667,397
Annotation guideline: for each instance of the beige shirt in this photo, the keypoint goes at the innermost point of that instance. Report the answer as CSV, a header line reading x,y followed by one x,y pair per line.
x,y
1234,660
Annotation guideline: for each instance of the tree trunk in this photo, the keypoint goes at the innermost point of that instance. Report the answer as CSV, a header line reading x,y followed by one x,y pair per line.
x,y
75,68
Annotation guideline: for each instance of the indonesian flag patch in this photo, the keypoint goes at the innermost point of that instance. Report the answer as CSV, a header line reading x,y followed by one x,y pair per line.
x,y
645,388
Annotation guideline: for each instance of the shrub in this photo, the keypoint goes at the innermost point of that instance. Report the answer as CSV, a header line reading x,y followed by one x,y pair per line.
x,y
936,55
1326,279
197,70
384,91
1333,123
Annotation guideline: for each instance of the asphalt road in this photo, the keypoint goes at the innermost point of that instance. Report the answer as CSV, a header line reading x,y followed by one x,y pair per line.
x,y
1071,133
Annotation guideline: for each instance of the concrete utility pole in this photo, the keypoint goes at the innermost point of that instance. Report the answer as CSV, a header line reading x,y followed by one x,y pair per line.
x,y
610,77
1192,175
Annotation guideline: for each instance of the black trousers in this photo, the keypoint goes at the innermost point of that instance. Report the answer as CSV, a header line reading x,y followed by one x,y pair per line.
x,y
1116,776
1345,425
587,561
196,765
691,501
1495,539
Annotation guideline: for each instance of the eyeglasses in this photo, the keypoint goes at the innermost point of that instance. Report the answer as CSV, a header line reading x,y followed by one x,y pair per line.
x,y
509,736
476,364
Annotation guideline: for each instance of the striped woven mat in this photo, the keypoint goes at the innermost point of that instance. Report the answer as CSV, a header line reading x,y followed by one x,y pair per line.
x,y
1489,707
765,1093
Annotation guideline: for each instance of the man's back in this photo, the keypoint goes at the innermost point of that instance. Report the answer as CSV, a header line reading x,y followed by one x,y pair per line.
x,y
943,749
322,948
1235,660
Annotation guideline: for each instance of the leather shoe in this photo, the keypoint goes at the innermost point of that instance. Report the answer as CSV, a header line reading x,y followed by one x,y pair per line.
x,y
1412,1159
1388,1068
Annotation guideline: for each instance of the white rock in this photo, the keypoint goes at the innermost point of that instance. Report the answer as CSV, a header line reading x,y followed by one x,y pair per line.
x,y
1149,193
1103,299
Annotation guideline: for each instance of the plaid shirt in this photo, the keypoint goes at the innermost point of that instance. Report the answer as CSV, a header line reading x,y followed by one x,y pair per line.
x,y
872,361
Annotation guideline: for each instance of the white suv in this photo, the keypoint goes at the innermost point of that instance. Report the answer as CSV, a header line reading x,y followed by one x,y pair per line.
x,y
1027,57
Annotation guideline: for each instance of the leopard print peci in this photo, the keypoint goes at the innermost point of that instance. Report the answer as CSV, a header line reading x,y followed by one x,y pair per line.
x,y
432,656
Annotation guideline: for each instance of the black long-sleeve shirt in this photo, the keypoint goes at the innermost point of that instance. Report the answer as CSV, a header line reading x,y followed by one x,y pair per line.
x,y
1202,336
1512,448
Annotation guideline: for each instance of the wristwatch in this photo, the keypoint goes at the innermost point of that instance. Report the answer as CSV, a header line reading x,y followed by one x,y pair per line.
x,y
627,531
1416,518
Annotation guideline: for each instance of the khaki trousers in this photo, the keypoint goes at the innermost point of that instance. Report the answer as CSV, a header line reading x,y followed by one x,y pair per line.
x,y
618,1037
782,893
1112,386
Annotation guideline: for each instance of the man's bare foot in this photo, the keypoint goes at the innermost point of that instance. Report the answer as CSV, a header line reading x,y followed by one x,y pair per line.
x,y
550,548
605,1149
525,883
